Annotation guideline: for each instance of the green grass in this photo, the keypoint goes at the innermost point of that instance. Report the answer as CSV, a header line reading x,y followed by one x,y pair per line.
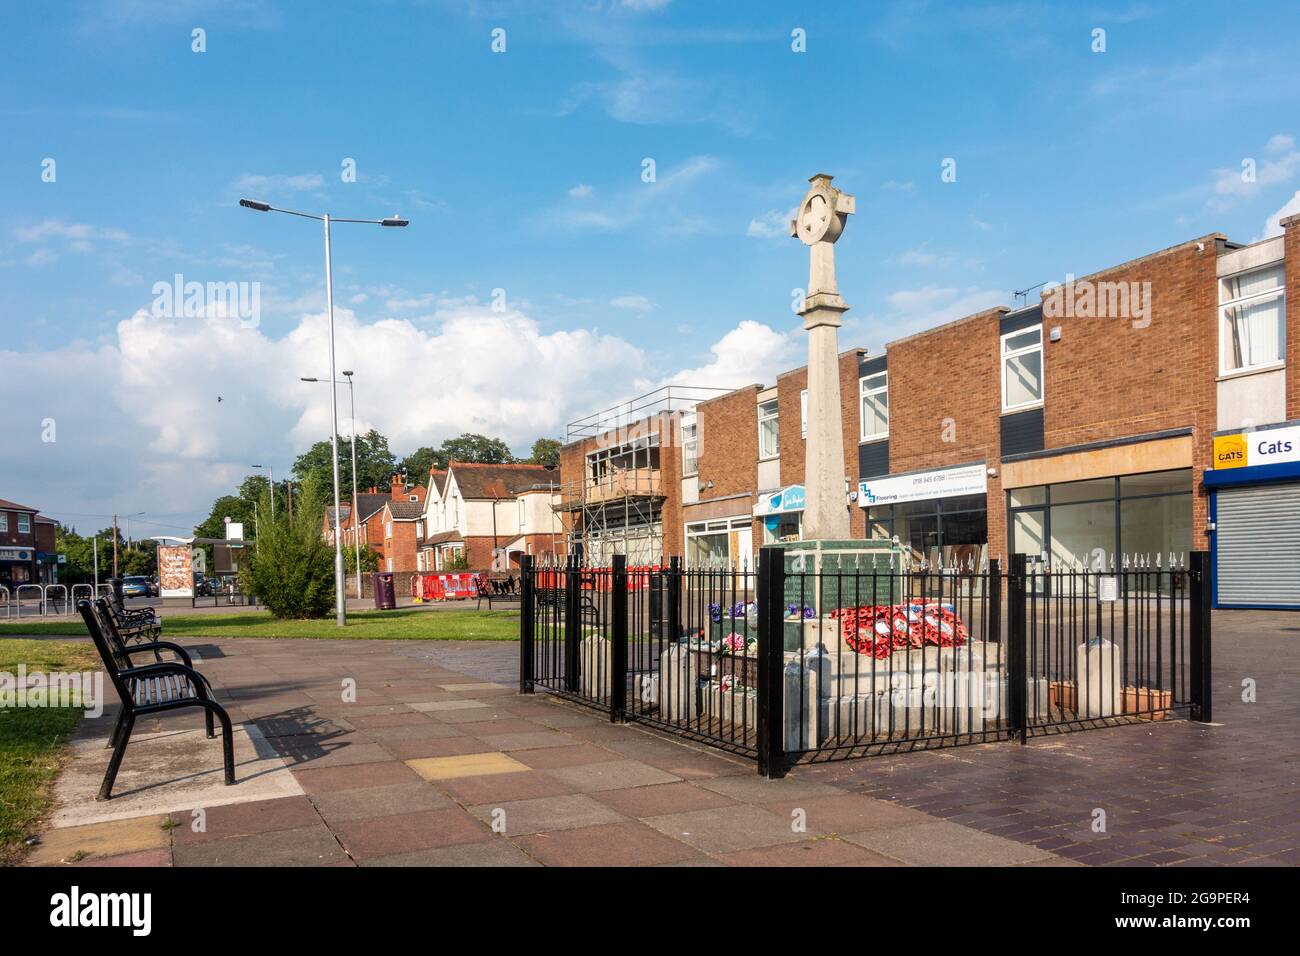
x,y
32,739
397,625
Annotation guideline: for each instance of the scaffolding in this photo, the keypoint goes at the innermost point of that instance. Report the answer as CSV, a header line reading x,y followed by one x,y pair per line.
x,y
616,506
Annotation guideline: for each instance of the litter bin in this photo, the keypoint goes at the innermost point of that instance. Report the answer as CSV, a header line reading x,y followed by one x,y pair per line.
x,y
381,585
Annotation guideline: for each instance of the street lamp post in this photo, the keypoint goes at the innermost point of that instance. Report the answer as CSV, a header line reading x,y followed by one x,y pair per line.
x,y
271,471
340,599
356,515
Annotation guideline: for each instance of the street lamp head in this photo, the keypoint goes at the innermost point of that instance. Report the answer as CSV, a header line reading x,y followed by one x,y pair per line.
x,y
309,380
347,372
255,204
394,221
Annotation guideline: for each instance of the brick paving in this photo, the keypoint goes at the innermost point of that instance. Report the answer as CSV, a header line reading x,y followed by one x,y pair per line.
x,y
437,761
1174,793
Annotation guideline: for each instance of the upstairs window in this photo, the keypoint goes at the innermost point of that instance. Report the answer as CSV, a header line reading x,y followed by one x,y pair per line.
x,y
690,446
1022,369
4,521
769,430
24,524
874,392
1252,320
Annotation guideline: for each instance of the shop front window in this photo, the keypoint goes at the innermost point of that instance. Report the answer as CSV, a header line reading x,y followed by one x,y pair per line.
x,y
947,532
783,527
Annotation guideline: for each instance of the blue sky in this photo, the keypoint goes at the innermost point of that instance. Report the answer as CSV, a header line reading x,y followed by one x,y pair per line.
x,y
521,171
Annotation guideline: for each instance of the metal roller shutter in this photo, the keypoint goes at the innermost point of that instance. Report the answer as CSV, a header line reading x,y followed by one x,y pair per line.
x,y
1258,545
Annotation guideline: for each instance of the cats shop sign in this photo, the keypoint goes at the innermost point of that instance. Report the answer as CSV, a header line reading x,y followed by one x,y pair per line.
x,y
1262,446
923,485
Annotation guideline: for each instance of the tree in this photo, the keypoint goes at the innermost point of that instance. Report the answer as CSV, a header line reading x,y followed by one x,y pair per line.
x,y
417,464
470,447
369,559
546,451
292,568
375,464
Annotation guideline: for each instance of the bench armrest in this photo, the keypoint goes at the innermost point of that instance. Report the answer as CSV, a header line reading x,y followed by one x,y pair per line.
x,y
161,646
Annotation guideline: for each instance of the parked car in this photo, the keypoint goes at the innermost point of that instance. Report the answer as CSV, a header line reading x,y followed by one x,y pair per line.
x,y
136,586
202,584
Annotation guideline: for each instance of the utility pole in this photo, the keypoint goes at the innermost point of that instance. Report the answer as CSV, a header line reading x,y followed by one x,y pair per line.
x,y
114,545
96,566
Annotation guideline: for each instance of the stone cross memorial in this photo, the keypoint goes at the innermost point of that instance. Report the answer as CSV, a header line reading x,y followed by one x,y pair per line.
x,y
820,222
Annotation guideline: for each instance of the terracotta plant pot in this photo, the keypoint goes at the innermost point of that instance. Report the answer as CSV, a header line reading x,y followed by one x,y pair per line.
x,y
1148,703
1061,693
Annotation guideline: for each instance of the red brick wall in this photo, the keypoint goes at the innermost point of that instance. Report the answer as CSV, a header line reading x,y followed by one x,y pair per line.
x,y
1106,379
1291,244
401,547
945,405
729,443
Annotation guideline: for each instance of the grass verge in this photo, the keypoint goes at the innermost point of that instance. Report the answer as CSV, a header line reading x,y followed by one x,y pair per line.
x,y
32,740
396,625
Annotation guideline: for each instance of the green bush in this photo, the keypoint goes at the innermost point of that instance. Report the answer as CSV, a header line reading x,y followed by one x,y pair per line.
x,y
369,559
291,568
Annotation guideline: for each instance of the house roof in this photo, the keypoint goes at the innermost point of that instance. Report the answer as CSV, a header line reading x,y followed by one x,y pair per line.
x,y
438,479
442,537
495,481
368,504
405,510
14,506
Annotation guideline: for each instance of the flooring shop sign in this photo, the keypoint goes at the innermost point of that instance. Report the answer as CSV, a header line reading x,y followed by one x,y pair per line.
x,y
943,483
1265,446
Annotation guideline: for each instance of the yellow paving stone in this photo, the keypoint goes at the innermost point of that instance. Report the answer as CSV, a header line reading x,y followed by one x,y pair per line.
x,y
99,840
465,765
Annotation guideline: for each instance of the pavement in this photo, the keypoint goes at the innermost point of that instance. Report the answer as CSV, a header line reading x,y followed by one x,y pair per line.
x,y
422,753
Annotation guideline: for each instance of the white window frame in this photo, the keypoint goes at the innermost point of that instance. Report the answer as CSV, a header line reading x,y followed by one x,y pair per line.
x,y
690,423
863,394
24,524
1005,356
4,521
803,414
1277,292
762,419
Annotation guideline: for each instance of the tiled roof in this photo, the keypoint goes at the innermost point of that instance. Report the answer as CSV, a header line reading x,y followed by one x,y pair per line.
x,y
14,506
495,481
405,510
442,537
438,479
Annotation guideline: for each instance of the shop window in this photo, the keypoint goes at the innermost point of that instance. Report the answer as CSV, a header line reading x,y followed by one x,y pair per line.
x,y
690,446
769,430
1022,369
1093,490
783,527
1252,320
874,392
1156,483
1022,497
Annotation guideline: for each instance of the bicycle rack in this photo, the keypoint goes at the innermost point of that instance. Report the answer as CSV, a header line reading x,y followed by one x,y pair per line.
x,y
18,598
62,590
83,589
4,594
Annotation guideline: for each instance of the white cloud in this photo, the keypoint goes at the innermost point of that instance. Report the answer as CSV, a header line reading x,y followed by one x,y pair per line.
x,y
773,224
71,232
632,303
580,191
1273,225
751,353
660,205
254,186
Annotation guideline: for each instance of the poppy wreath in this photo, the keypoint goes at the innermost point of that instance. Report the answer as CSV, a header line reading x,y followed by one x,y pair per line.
x,y
880,629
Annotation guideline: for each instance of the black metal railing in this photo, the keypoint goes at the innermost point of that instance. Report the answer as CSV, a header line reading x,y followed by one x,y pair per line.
x,y
788,664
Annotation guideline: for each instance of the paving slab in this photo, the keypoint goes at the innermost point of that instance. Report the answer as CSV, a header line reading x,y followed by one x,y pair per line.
x,y
486,788
240,819
569,812
491,853
343,806
104,839
374,837
304,846
946,844
465,765
727,829
611,775
809,853
167,772
550,758
613,844
849,813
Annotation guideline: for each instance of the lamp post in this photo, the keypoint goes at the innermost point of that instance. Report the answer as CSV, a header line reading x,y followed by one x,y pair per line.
x,y
356,515
340,599
271,471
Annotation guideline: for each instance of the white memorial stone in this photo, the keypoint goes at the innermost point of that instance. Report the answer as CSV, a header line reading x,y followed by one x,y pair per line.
x,y
1099,680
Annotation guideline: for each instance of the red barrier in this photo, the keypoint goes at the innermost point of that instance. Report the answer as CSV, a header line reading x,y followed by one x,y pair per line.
x,y
444,587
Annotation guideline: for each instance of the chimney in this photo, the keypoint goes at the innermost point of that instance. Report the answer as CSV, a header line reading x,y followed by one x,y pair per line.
x,y
399,488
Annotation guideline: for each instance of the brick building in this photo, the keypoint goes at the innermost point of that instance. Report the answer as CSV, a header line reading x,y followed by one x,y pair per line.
x,y
487,516
1083,427
26,546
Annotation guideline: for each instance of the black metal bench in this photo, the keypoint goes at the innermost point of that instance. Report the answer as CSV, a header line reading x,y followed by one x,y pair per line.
x,y
149,689
133,624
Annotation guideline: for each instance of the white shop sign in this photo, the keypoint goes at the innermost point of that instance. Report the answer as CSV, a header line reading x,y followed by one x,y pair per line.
x,y
941,483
